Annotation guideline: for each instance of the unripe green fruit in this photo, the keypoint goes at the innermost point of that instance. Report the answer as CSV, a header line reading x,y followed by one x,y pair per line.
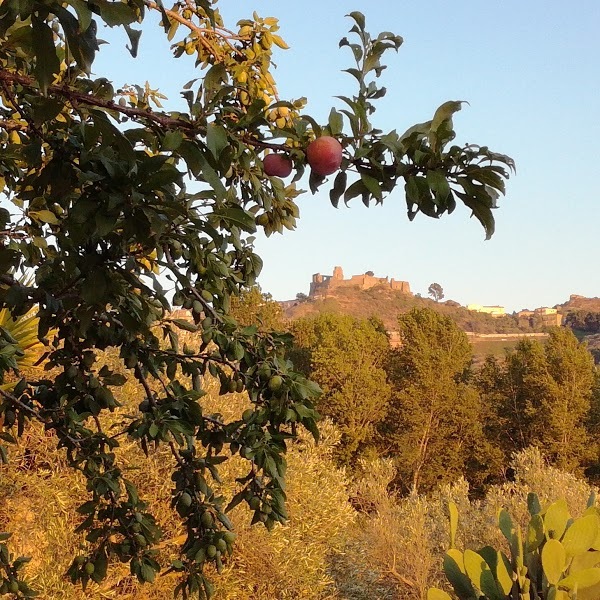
x,y
131,361
207,519
247,415
232,386
229,537
211,551
265,372
221,545
79,560
89,568
185,500
136,528
275,383
13,587
140,540
200,556
9,418
239,388
206,295
254,503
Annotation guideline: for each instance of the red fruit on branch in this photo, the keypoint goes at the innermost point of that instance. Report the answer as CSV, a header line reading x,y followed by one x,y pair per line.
x,y
277,165
324,155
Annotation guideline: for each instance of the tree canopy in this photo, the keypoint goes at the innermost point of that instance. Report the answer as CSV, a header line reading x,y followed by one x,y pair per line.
x,y
99,211
434,424
436,291
346,357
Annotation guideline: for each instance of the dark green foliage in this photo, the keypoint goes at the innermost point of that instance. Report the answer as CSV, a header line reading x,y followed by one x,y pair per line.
x,y
541,394
345,356
582,320
434,423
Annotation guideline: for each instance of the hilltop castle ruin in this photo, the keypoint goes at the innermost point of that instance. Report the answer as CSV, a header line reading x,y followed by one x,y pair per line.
x,y
323,285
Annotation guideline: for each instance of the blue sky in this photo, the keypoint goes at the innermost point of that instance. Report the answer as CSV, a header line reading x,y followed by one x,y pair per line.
x,y
531,72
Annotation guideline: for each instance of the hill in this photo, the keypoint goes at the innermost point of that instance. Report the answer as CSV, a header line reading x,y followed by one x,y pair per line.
x,y
387,304
580,303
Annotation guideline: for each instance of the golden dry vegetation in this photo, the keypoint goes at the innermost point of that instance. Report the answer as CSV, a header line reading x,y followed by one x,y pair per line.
x,y
347,539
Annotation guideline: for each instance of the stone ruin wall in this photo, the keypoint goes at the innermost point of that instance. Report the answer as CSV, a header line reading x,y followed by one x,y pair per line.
x,y
323,285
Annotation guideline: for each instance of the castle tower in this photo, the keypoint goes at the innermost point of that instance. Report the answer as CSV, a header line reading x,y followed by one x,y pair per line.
x,y
338,273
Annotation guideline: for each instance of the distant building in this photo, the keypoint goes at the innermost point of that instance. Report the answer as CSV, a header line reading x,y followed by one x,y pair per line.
x,y
323,285
494,311
543,316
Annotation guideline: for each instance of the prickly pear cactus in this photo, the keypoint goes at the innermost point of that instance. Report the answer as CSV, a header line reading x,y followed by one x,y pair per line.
x,y
558,558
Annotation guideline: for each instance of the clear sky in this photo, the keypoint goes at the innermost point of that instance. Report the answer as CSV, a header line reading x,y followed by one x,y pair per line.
x,y
531,72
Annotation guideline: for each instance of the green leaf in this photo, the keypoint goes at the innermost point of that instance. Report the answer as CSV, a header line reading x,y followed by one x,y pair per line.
x,y
459,581
134,36
506,526
481,575
83,13
216,139
46,59
533,504
453,513
339,187
356,189
535,533
504,573
237,216
556,518
582,579
83,45
554,560
116,13
372,185
480,211
439,185
211,177
185,325
153,430
45,216
580,536
445,112
172,140
358,17
336,122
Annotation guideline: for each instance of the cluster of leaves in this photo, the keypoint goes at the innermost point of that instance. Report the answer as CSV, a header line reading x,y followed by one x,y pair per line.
x,y
346,357
96,184
587,321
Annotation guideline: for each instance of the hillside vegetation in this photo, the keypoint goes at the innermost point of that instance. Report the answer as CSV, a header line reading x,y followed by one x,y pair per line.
x,y
387,304
348,538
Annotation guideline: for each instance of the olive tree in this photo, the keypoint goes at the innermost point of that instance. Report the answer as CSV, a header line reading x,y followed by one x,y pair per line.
x,y
98,209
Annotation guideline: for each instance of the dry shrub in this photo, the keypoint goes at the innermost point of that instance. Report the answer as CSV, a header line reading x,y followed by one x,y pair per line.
x,y
404,539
